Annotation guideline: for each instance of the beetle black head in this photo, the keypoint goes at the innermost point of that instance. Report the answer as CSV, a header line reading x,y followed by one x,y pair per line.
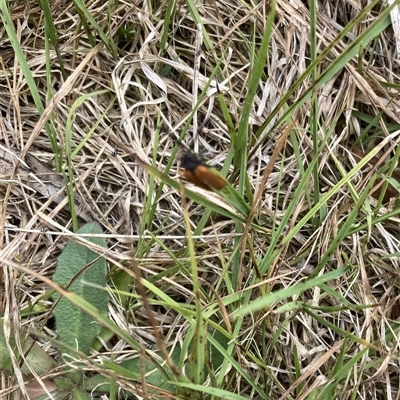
x,y
190,161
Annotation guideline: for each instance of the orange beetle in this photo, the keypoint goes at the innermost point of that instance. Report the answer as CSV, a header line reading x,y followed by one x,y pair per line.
x,y
200,174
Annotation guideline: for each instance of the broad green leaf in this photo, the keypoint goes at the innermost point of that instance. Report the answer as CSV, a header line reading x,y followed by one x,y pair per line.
x,y
36,358
78,270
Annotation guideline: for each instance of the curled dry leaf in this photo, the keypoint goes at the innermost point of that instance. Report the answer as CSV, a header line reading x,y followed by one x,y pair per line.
x,y
37,176
305,268
391,190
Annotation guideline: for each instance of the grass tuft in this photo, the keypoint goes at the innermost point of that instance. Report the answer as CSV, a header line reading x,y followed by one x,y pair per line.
x,y
283,285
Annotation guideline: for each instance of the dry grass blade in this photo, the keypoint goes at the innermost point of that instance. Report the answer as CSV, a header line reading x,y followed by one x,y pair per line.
x,y
99,108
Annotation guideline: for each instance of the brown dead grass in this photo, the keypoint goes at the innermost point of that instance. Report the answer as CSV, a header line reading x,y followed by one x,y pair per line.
x,y
144,85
